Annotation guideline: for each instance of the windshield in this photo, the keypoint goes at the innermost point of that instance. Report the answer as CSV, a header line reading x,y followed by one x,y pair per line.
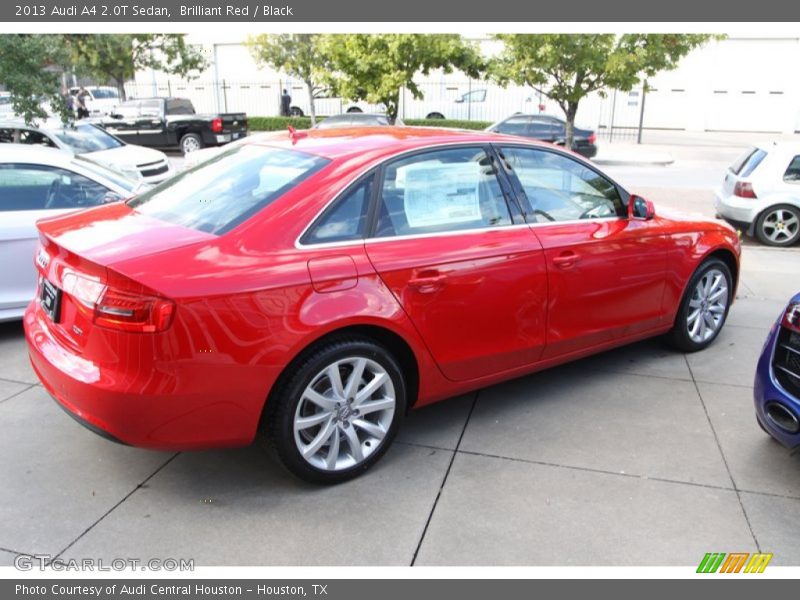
x,y
219,194
87,138
108,173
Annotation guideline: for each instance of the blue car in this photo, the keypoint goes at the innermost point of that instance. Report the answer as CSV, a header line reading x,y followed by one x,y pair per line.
x,y
777,385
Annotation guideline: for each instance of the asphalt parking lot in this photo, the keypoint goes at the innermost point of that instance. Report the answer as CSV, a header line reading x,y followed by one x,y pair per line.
x,y
638,456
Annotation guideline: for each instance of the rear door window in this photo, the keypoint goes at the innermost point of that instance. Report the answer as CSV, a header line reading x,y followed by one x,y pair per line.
x,y
39,187
747,162
220,193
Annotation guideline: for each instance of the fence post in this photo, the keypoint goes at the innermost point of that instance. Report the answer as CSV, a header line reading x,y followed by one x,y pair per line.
x,y
613,110
169,88
469,99
641,112
225,95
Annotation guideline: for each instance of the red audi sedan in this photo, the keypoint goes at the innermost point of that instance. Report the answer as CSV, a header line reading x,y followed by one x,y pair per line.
x,y
311,287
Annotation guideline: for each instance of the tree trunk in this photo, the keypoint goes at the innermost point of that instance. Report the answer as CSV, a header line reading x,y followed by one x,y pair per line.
x,y
311,107
569,134
121,89
393,106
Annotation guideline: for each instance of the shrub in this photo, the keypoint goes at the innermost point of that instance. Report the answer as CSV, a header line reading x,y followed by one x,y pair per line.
x,y
281,123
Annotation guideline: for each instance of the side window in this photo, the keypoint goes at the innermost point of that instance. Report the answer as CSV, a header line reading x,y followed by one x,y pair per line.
x,y
476,96
345,219
7,136
150,108
792,174
38,187
444,190
558,188
543,128
35,138
514,126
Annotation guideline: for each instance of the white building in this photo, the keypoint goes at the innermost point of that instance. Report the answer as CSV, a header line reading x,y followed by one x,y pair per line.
x,y
737,84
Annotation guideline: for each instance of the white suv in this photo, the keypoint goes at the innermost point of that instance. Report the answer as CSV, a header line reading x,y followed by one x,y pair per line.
x,y
760,193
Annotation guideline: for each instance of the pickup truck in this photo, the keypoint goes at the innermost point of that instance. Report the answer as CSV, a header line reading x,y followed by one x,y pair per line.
x,y
172,122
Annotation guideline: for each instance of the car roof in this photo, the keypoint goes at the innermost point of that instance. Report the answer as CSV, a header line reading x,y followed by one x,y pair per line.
x,y
46,125
10,153
345,142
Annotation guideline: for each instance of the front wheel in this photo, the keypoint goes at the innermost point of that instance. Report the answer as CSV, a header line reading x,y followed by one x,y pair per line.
x,y
779,225
704,307
296,111
338,412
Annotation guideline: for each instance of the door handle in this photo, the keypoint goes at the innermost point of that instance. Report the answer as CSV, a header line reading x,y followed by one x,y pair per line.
x,y
426,284
566,260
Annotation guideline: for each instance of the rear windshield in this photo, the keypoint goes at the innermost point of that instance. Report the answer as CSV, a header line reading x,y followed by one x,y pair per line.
x,y
219,194
747,162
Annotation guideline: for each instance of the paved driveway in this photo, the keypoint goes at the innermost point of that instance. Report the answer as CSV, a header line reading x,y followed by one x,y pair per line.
x,y
639,456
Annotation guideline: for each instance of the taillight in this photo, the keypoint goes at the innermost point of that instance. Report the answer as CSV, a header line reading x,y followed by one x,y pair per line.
x,y
117,309
133,312
791,318
592,138
744,189
216,125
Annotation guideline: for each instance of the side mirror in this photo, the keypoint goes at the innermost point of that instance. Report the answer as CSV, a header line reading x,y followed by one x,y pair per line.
x,y
459,100
641,209
111,197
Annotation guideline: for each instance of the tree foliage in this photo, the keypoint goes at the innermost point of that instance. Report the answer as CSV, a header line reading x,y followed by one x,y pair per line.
x,y
375,67
298,55
30,69
568,67
117,57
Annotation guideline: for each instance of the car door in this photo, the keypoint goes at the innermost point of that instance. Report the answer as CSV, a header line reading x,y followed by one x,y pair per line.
x,y
543,128
123,122
471,278
29,192
606,272
151,125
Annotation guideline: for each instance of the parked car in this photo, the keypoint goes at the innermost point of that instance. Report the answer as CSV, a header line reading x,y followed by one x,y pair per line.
x,y
101,99
760,193
548,129
37,182
777,384
173,122
313,287
94,143
358,119
481,104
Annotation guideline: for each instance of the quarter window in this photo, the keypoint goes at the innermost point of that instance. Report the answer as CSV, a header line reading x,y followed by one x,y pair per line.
x,y
346,219
444,190
558,188
792,174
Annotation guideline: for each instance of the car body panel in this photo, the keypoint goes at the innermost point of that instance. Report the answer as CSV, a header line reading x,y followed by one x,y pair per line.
x,y
768,387
250,301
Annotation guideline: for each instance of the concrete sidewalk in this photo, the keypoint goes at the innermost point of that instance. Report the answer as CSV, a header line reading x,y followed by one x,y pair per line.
x,y
639,456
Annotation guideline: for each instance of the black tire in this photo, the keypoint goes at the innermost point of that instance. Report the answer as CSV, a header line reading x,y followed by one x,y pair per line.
x,y
679,336
435,115
278,424
768,221
295,111
191,142
354,109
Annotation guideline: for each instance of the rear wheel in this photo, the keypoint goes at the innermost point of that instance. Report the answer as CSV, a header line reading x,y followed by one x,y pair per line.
x,y
338,412
779,225
191,142
435,115
704,307
354,109
295,111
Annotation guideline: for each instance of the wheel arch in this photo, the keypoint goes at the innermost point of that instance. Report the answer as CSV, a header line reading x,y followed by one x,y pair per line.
x,y
384,336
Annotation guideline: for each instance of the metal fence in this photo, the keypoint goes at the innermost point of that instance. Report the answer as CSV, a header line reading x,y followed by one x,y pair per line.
x,y
616,116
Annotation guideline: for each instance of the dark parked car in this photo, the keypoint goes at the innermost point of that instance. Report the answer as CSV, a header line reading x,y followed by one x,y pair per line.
x,y
547,129
171,122
356,119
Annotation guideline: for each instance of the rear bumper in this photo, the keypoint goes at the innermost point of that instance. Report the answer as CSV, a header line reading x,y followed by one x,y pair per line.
x,y
587,151
742,211
136,401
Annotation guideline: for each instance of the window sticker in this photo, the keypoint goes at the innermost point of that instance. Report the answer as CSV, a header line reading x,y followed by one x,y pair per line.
x,y
441,194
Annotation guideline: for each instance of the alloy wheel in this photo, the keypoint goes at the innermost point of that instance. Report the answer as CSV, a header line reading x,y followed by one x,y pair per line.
x,y
707,306
344,414
780,226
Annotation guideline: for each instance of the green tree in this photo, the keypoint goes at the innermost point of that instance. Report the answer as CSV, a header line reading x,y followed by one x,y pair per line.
x,y
568,67
298,55
375,67
117,57
30,69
